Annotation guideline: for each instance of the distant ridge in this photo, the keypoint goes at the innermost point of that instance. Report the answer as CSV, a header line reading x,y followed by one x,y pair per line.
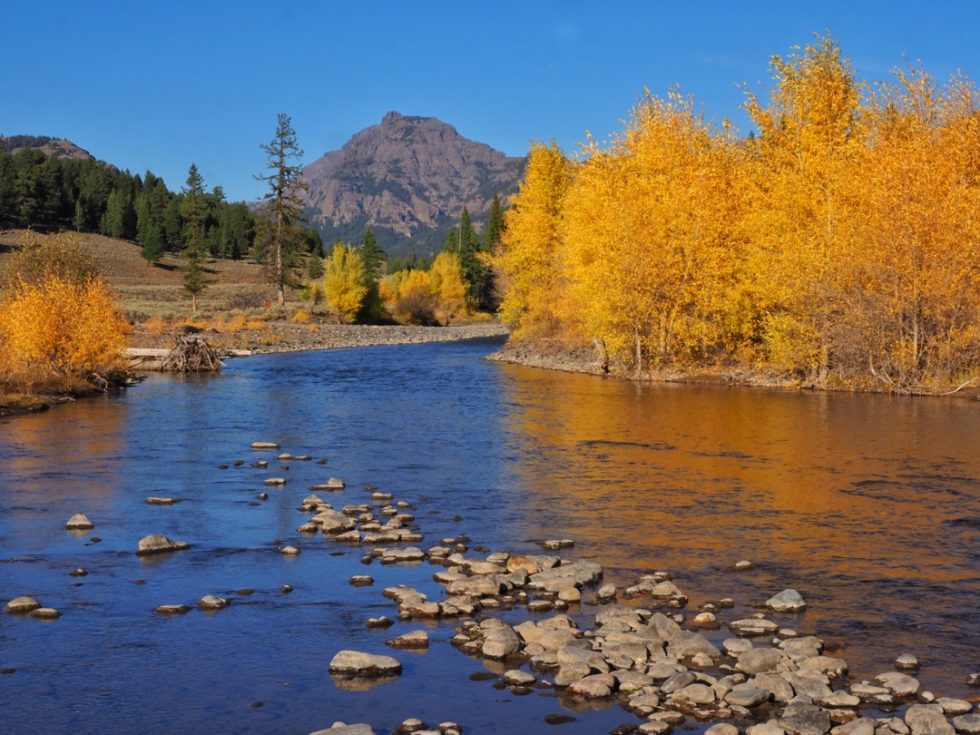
x,y
408,178
60,147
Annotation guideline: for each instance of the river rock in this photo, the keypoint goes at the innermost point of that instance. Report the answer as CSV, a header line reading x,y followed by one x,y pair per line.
x,y
518,678
750,627
289,550
967,724
361,580
746,695
21,605
415,640
606,592
553,544
408,554
570,594
759,660
79,522
213,602
172,609
765,728
157,543
693,694
899,684
264,445
365,665
742,565
927,719
45,613
333,483
499,639
803,718
157,500
339,728
274,481
789,600
860,726
722,728
907,662
333,521
594,686
953,706
734,647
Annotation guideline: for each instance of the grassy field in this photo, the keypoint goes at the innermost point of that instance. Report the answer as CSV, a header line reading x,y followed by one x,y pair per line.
x,y
145,290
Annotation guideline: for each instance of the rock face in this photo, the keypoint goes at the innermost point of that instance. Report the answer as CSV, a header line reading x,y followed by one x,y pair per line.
x,y
408,178
365,665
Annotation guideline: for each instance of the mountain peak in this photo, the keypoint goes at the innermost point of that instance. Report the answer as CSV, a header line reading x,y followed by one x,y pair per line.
x,y
408,178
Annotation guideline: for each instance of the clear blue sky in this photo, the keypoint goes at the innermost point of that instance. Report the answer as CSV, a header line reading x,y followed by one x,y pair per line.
x,y
149,85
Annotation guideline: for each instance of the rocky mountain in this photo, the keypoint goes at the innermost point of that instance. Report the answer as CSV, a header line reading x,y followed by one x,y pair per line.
x,y
48,146
409,179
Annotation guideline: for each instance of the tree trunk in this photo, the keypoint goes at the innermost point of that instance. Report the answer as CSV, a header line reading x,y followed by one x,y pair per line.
x,y
600,346
280,267
639,352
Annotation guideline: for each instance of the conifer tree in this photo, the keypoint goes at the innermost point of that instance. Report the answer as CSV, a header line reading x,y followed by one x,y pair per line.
x,y
284,203
373,256
194,211
495,225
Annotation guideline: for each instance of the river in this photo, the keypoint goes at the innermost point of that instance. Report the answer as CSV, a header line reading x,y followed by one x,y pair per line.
x,y
867,504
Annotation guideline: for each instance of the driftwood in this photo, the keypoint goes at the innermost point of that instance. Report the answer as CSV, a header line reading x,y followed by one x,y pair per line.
x,y
191,355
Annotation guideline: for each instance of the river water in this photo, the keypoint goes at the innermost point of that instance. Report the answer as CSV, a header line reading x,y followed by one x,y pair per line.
x,y
869,505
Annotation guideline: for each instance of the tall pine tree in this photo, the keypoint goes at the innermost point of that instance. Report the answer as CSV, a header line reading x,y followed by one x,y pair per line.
x,y
194,209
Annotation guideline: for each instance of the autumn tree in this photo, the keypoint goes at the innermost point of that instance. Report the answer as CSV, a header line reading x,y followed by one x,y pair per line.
x,y
345,282
528,256
283,204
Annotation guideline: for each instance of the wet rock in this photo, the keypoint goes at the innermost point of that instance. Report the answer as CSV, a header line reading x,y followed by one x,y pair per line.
x,y
274,481
213,602
333,521
607,592
286,588
158,544
380,622
158,500
967,724
361,580
803,718
899,684
516,677
973,680
789,600
417,639
555,544
826,665
860,726
907,662
746,695
736,646
953,706
837,700
264,445
782,690
750,627
79,522
339,728
45,613
677,681
742,565
594,686
760,660
78,572
360,664
21,605
499,639
408,554
172,609
333,483
655,727
722,728
570,594
693,694
765,728
927,719
263,496
289,550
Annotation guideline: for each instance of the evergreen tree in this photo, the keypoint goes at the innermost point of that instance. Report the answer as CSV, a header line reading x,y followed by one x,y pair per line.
x,y
114,218
464,242
152,249
80,220
283,203
194,211
373,256
495,225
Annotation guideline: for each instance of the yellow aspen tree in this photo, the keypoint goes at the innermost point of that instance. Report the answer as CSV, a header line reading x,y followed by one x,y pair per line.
x,y
345,282
447,286
527,260
801,210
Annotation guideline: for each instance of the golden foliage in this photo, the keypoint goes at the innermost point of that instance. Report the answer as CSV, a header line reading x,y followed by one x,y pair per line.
x,y
345,282
236,323
300,316
842,240
156,325
437,295
57,330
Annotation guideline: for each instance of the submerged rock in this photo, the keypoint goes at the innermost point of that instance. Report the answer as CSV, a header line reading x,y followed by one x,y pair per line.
x,y
789,600
21,605
45,613
360,664
264,445
339,728
416,639
213,602
173,609
79,522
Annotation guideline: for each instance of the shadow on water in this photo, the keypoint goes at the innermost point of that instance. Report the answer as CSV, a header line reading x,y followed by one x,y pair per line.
x,y
867,504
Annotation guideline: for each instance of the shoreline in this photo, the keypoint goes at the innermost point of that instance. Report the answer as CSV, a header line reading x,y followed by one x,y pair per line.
x,y
583,361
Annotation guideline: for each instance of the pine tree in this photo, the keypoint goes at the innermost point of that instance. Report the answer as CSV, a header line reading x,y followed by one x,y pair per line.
x,y
495,225
80,220
114,219
152,249
194,211
373,256
283,203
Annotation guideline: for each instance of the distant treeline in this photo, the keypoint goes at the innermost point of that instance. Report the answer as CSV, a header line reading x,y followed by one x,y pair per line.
x,y
51,193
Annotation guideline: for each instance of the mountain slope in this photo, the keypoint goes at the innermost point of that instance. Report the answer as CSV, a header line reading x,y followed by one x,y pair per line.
x,y
47,145
409,179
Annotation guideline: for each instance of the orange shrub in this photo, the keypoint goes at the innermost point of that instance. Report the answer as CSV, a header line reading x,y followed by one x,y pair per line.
x,y
301,316
156,325
237,323
54,329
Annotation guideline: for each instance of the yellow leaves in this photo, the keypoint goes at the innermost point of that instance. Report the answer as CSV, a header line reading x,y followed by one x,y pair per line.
x,y
425,297
843,239
57,328
345,282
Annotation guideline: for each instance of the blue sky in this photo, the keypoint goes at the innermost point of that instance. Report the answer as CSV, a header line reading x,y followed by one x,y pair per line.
x,y
159,85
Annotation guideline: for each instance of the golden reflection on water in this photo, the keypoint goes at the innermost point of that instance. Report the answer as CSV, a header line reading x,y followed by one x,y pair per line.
x,y
687,476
